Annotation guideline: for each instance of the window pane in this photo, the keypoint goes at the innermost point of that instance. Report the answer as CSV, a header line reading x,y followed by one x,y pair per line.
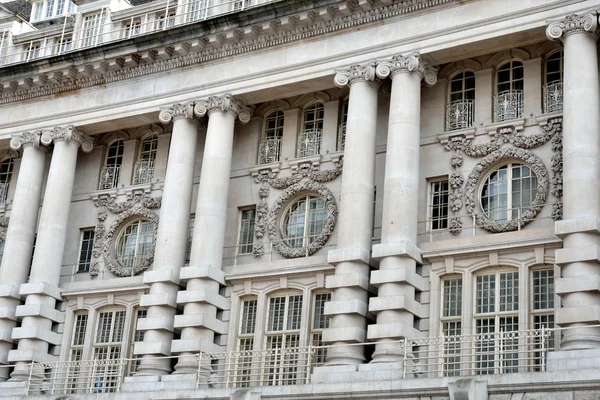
x,y
452,297
248,322
543,289
320,320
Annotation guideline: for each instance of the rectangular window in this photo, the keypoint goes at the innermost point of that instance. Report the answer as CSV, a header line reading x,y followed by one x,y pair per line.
x,y
37,11
64,45
196,9
33,51
132,28
76,352
165,21
138,336
91,30
246,343
50,8
240,5
451,324
438,205
542,310
246,234
85,250
320,322
107,347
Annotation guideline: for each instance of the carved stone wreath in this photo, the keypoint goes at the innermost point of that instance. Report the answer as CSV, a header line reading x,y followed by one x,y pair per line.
x,y
275,215
484,166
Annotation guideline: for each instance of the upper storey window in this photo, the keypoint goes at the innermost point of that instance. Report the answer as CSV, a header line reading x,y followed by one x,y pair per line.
x,y
304,220
135,243
109,175
508,102
196,10
460,111
51,9
341,139
508,191
6,168
144,167
92,27
553,88
309,139
270,145
240,5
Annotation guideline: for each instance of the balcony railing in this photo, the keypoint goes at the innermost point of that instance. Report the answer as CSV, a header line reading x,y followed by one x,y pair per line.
x,y
3,192
143,172
309,143
269,150
553,97
109,177
462,355
341,144
508,105
460,114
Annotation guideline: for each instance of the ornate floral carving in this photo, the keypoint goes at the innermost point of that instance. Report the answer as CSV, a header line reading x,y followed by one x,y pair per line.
x,y
572,24
179,110
472,195
455,225
260,225
272,226
412,62
306,170
138,204
67,133
25,139
225,103
556,166
356,73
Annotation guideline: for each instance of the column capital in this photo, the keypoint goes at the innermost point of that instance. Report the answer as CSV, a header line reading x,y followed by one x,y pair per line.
x,y
412,62
66,134
585,23
26,139
357,73
225,103
176,111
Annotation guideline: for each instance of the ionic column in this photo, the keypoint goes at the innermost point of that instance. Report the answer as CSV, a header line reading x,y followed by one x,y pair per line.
x,y
348,308
398,253
39,312
580,229
171,242
201,297
20,235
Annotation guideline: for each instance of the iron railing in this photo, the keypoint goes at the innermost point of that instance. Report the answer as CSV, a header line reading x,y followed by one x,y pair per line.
x,y
508,105
341,139
143,172
269,150
309,143
553,97
460,114
109,177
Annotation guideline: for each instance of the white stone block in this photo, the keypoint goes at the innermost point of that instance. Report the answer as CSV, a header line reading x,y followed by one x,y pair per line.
x,y
381,366
468,389
163,275
39,310
36,332
10,291
158,323
572,315
589,223
159,299
203,296
398,302
40,288
154,347
354,254
194,346
202,271
7,313
572,360
30,355
402,248
577,254
574,284
379,277
347,280
349,334
6,335
392,331
203,320
346,307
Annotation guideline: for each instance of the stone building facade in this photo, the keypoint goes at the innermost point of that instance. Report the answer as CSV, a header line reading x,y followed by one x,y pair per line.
x,y
291,199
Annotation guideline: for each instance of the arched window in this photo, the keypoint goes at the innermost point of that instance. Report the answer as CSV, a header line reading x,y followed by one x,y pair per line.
x,y
309,139
144,167
6,168
109,176
508,103
270,144
304,220
553,87
508,191
460,111
135,243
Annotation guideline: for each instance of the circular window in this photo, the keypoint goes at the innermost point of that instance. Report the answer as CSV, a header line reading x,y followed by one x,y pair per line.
x,y
135,243
303,221
508,191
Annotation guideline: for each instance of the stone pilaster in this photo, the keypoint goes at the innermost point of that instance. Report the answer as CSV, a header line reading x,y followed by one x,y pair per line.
x,y
201,299
171,242
580,229
349,305
398,253
41,292
20,235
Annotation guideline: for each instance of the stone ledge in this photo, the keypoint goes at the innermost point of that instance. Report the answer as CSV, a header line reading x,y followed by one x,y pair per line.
x,y
573,315
159,299
402,248
10,291
8,313
399,275
573,360
203,296
352,254
162,276
156,347
399,302
36,332
194,346
577,225
574,284
200,321
40,310
350,334
392,331
30,355
158,323
202,271
349,280
40,288
577,254
346,307
6,335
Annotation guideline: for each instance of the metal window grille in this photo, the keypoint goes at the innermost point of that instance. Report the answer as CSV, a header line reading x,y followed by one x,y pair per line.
x,y
438,204
309,143
85,252
553,97
246,235
143,172
508,105
109,175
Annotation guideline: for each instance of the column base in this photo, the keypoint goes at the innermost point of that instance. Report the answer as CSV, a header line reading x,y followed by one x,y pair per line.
x,y
345,355
152,366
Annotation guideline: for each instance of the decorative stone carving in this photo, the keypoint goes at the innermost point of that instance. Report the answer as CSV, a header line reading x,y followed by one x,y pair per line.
x,y
26,139
472,194
412,62
179,110
556,166
138,204
225,103
357,73
455,225
572,24
67,133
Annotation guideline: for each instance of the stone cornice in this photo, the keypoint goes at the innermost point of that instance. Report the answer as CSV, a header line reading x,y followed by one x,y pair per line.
x,y
585,23
182,54
67,134
357,73
412,62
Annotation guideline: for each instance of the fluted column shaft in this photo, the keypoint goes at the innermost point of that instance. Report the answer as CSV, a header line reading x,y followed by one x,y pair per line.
x,y
349,303
171,242
581,179
396,278
35,334
20,235
201,298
